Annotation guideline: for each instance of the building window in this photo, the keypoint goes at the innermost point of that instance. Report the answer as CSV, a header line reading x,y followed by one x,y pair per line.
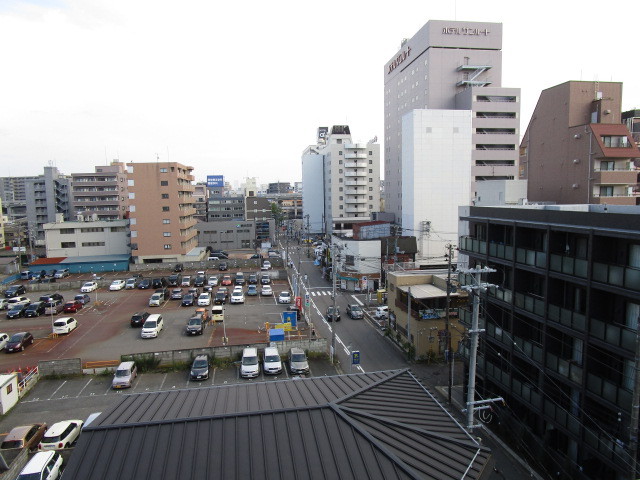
x,y
9,388
164,183
133,221
340,189
165,195
165,209
371,180
167,246
370,207
610,165
130,183
370,170
606,191
370,162
615,141
132,208
349,260
370,153
339,142
132,196
340,180
117,229
91,230
340,171
134,234
341,207
166,221
340,162
67,231
163,170
93,244
166,234
68,245
370,197
340,152
371,189
341,197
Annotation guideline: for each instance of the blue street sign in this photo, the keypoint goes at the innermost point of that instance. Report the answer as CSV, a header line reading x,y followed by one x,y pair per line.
x,y
355,357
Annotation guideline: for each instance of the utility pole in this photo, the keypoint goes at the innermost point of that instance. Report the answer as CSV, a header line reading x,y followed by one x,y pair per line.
x,y
334,265
448,319
474,332
409,319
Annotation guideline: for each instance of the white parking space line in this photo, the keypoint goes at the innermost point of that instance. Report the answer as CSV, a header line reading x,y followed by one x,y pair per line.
x,y
213,377
85,386
56,390
163,380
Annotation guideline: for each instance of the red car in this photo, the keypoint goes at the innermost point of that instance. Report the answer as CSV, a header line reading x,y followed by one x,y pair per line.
x,y
226,280
72,307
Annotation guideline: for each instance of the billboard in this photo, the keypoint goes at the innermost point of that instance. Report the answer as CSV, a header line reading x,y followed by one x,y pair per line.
x,y
215,180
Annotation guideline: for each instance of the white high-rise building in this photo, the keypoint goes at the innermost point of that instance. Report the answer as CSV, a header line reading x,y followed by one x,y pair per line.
x,y
349,176
448,65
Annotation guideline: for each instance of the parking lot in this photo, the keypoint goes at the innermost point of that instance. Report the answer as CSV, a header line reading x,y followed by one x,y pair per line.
x,y
104,332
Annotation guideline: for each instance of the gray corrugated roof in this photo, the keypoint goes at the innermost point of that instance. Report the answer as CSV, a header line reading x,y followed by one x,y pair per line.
x,y
377,425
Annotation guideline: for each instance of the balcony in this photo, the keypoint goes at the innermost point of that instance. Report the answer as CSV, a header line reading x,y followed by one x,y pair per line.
x,y
609,391
353,199
349,156
619,276
568,318
500,294
473,245
532,258
355,174
567,368
354,191
349,209
500,250
528,349
530,304
615,335
356,183
568,265
356,164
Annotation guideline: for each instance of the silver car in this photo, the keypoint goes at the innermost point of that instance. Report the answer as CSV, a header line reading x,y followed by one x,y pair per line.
x,y
298,363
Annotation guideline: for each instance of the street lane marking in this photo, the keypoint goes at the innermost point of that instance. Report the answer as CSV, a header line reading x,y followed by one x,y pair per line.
x,y
85,386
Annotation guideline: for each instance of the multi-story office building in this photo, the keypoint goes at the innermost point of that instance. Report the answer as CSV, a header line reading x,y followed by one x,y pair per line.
x,y
162,211
225,208
103,193
576,150
87,238
232,235
560,320
46,196
350,178
14,197
279,187
445,66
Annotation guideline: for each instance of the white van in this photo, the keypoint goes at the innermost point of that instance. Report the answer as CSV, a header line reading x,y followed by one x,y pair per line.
x,y
250,366
271,362
43,465
382,312
125,373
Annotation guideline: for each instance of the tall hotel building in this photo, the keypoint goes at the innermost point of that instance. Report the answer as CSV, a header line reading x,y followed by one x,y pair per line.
x,y
162,210
341,181
449,124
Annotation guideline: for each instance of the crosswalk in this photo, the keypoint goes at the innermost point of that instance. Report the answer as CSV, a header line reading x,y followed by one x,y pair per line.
x,y
319,293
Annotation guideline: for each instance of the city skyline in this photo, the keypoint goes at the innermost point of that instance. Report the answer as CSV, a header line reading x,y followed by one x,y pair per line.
x,y
239,91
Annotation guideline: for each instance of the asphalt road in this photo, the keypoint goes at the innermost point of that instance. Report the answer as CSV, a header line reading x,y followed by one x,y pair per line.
x,y
376,352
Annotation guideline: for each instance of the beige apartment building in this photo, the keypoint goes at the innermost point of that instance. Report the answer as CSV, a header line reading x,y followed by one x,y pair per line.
x,y
162,210
103,193
576,149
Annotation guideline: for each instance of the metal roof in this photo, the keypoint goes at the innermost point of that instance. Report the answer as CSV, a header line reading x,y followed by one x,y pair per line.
x,y
426,290
379,425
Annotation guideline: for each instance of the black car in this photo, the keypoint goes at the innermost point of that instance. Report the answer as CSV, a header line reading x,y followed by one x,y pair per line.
x,y
159,282
174,280
17,311
253,279
200,367
223,266
14,291
138,319
331,316
18,342
188,300
265,280
144,284
240,280
199,281
50,297
219,254
178,268
255,255
195,326
176,294
355,311
35,309
220,298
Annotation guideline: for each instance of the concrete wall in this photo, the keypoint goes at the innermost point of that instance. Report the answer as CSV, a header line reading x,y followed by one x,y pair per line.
x,y
234,352
65,366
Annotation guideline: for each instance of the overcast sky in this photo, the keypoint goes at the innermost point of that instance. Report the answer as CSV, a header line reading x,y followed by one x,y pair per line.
x,y
239,88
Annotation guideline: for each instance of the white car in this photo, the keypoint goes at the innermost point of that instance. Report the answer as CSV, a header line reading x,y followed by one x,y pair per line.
x,y
266,265
4,338
64,325
4,303
89,287
213,281
117,285
266,291
284,297
152,326
204,300
12,302
61,435
237,296
186,281
156,299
